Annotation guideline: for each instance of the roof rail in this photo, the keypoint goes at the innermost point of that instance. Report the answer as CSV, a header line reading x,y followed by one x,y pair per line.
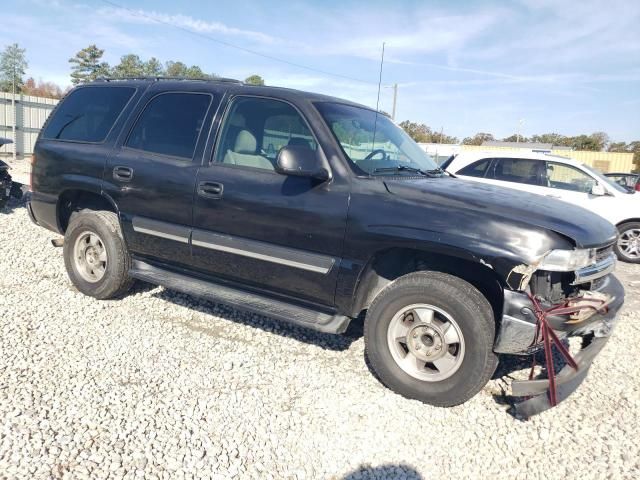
x,y
161,78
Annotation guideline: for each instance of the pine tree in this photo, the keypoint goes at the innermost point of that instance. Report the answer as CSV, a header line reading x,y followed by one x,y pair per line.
x,y
87,66
12,68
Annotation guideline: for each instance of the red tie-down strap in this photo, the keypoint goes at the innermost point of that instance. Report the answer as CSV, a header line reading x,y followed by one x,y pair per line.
x,y
545,333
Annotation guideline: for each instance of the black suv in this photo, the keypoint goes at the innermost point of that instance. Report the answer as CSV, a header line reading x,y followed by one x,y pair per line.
x,y
316,210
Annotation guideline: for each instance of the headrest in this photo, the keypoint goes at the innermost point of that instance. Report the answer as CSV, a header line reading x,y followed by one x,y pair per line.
x,y
299,142
245,143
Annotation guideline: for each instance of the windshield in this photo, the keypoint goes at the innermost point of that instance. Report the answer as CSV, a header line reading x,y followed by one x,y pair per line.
x,y
607,181
376,146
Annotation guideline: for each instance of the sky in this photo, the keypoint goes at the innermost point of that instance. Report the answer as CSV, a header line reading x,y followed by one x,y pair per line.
x,y
568,66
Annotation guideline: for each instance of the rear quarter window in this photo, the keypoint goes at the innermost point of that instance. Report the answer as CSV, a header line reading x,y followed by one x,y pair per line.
x,y
88,114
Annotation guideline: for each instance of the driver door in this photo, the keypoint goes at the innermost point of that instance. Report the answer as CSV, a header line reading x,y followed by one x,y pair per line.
x,y
283,234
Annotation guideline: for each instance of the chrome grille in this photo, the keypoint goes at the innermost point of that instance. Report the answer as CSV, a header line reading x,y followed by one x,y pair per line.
x,y
605,264
602,253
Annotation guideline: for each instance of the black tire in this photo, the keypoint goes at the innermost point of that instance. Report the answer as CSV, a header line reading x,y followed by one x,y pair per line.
x,y
115,281
474,317
622,256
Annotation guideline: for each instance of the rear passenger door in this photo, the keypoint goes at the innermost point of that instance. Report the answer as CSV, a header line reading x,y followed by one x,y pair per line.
x,y
152,175
282,234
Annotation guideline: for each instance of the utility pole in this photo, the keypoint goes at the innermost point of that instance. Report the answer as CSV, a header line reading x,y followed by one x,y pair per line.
x,y
15,116
520,123
395,99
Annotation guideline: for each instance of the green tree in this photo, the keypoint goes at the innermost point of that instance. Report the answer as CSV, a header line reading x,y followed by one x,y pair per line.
x,y
585,142
478,139
515,138
601,139
13,64
195,72
86,65
553,139
254,80
153,68
618,147
130,66
176,69
420,132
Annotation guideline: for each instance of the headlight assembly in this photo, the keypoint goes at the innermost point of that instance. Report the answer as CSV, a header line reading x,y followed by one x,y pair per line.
x,y
567,260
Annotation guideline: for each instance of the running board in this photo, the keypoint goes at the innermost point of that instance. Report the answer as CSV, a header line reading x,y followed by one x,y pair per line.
x,y
241,299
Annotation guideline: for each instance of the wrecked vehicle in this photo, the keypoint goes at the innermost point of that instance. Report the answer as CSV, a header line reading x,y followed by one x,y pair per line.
x,y
316,211
6,183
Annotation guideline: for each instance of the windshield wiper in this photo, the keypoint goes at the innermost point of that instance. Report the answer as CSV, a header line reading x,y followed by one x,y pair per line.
x,y
405,168
400,168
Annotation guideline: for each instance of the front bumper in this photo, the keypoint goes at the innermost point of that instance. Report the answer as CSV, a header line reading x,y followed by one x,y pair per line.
x,y
518,332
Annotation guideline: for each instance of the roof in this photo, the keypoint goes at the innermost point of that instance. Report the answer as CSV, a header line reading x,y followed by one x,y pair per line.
x,y
229,84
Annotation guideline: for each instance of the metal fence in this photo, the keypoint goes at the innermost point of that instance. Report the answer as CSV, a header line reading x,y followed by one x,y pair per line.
x,y
21,118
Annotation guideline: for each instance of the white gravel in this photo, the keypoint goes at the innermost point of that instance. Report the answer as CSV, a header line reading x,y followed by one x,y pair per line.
x,y
163,385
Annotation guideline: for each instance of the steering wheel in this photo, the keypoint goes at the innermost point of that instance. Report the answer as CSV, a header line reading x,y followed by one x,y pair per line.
x,y
376,152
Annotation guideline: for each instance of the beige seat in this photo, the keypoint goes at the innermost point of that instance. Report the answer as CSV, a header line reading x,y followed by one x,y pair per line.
x,y
244,152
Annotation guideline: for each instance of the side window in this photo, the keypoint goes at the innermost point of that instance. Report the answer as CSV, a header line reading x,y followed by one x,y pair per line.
x,y
566,177
476,169
88,114
170,124
255,129
519,170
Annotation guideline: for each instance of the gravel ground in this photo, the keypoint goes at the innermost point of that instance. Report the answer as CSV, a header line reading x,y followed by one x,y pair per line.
x,y
163,385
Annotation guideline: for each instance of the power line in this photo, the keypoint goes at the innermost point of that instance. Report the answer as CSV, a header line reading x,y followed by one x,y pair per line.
x,y
232,45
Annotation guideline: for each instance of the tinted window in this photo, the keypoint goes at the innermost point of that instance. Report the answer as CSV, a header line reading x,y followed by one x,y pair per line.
x,y
566,177
518,170
88,114
476,169
255,130
170,124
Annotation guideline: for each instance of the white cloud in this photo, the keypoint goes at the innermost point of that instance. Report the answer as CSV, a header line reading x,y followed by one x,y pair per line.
x,y
183,21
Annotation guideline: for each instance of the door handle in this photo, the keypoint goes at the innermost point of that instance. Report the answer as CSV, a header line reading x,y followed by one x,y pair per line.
x,y
124,174
210,189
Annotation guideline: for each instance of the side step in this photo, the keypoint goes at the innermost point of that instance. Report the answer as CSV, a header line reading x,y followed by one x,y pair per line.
x,y
242,299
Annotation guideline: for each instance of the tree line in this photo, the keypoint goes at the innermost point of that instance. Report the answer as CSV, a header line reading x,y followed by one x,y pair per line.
x,y
597,141
87,65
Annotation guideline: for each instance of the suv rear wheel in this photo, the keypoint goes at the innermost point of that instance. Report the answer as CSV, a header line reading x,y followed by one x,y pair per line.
x,y
95,254
429,336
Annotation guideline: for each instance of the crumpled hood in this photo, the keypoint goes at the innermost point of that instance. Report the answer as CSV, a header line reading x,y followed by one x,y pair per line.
x,y
586,229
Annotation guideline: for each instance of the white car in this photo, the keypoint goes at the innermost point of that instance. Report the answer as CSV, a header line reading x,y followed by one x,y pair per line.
x,y
561,178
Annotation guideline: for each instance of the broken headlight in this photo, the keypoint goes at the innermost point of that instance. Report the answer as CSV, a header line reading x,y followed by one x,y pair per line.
x,y
567,260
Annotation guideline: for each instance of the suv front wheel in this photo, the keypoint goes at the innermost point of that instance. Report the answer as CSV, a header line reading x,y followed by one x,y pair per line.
x,y
627,246
95,254
429,336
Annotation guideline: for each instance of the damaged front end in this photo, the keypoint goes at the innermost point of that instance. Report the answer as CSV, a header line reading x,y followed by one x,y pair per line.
x,y
551,302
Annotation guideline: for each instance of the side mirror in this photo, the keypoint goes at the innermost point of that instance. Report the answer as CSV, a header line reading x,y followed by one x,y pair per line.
x,y
299,161
598,190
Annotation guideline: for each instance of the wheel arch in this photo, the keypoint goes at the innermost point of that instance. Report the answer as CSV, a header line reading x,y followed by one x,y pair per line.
x,y
386,266
74,200
628,220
